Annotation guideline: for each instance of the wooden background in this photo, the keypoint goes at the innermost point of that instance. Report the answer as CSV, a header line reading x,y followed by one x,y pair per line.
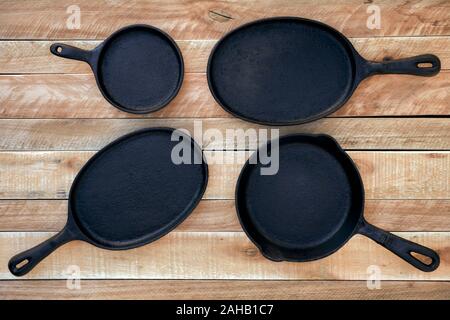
x,y
53,118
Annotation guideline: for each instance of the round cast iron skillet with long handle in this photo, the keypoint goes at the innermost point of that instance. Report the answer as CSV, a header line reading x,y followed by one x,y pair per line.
x,y
138,69
287,70
128,194
313,205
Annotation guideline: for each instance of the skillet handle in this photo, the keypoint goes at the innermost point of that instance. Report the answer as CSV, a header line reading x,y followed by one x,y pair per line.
x,y
24,262
431,66
70,52
401,247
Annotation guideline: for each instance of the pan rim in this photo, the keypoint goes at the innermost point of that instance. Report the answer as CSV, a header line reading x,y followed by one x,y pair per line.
x,y
280,257
353,55
102,48
73,225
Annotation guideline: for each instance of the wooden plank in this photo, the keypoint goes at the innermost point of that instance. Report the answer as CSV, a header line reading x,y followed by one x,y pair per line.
x,y
404,175
51,215
220,215
225,134
45,19
35,57
221,255
386,175
379,48
223,289
77,96
400,95
410,215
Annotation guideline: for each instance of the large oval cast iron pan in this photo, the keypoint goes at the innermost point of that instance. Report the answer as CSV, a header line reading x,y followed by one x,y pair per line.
x,y
138,69
128,194
283,71
313,205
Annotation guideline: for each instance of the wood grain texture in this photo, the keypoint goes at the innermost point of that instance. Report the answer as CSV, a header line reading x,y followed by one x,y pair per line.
x,y
407,191
220,255
195,19
379,48
51,215
400,95
35,57
386,175
222,134
220,215
223,289
77,96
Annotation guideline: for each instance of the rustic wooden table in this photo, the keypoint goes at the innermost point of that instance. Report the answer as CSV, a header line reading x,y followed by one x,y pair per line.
x,y
53,118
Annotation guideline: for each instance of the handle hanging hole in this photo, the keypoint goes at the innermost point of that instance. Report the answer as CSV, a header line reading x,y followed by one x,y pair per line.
x,y
422,258
424,65
59,49
22,263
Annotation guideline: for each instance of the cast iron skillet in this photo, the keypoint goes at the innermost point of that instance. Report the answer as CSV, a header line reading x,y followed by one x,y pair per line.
x,y
286,70
312,206
138,69
128,194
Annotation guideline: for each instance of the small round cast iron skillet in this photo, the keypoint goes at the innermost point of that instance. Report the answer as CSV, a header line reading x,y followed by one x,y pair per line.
x,y
138,69
312,206
128,194
284,71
